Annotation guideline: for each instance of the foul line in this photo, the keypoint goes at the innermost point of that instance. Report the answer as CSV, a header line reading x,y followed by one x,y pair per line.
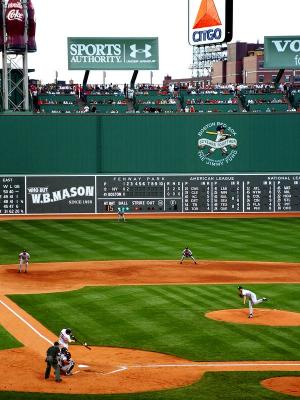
x,y
204,365
25,322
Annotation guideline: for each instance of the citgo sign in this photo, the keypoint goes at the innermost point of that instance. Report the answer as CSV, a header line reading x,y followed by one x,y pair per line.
x,y
210,21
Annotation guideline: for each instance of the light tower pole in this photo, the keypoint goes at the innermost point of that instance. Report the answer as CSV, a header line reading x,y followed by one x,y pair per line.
x,y
15,69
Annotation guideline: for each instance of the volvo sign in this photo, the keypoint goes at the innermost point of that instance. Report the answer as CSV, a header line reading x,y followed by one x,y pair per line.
x,y
282,52
210,21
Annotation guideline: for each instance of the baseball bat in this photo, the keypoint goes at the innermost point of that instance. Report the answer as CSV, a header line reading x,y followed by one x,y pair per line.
x,y
82,344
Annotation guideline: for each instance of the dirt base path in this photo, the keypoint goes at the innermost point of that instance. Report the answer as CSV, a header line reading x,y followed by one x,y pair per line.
x,y
115,370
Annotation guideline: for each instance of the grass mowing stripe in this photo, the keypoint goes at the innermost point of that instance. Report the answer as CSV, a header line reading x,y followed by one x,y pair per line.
x,y
123,316
231,239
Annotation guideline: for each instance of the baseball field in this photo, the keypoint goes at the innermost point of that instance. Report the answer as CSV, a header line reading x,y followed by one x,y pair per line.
x,y
157,329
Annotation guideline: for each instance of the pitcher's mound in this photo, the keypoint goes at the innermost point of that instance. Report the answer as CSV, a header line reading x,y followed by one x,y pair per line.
x,y
262,316
284,384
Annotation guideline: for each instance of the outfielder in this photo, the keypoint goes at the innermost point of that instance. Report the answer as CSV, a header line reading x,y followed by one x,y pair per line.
x,y
23,259
187,253
65,337
252,299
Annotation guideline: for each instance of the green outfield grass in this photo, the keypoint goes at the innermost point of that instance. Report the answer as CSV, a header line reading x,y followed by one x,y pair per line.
x,y
7,341
170,319
164,318
258,239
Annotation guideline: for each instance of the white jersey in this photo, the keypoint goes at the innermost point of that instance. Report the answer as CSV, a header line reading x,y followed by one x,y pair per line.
x,y
247,293
24,256
64,339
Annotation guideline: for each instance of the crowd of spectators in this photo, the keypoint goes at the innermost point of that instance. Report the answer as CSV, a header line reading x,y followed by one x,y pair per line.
x,y
166,95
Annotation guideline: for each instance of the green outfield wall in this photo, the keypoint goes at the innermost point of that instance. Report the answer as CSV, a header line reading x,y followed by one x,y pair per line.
x,y
180,143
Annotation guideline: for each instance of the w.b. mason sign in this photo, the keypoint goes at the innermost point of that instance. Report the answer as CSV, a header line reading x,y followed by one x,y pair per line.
x,y
113,53
282,52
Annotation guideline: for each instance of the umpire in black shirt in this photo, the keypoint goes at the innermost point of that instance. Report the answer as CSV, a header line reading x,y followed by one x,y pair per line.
x,y
51,360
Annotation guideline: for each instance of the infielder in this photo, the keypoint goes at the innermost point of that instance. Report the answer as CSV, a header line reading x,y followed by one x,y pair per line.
x,y
252,299
65,337
187,253
23,259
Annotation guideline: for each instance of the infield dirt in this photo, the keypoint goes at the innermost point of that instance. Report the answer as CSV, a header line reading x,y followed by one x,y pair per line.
x,y
116,370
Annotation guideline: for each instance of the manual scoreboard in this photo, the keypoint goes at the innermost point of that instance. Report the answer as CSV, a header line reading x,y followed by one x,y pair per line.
x,y
149,193
199,193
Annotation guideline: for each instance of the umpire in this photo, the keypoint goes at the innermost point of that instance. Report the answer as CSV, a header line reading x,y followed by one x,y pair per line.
x,y
52,361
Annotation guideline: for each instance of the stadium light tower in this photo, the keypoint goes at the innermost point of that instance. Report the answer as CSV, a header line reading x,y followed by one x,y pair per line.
x,y
18,38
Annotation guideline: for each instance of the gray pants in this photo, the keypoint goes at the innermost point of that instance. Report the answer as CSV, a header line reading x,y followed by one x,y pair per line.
x,y
252,301
54,364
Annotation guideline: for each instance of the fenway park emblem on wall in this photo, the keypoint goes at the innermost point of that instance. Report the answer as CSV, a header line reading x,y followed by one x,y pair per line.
x,y
217,144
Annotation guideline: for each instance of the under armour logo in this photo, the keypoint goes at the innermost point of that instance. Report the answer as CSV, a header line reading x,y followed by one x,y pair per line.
x,y
146,51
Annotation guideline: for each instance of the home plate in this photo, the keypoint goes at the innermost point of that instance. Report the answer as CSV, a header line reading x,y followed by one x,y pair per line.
x,y
83,366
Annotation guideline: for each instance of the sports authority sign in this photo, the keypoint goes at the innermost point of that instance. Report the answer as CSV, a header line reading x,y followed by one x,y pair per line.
x,y
282,52
210,21
113,53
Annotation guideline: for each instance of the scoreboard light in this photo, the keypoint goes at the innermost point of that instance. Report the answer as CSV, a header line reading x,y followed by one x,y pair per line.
x,y
209,21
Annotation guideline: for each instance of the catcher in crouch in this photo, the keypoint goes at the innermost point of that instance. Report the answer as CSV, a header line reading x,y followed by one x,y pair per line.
x,y
187,253
65,361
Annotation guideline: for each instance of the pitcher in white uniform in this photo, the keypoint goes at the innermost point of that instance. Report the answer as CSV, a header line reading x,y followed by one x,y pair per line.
x,y
252,299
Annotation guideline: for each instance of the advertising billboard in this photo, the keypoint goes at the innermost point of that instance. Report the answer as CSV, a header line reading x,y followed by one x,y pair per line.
x,y
282,52
209,21
90,53
60,194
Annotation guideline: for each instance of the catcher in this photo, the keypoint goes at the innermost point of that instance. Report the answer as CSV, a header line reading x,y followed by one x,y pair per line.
x,y
66,363
187,253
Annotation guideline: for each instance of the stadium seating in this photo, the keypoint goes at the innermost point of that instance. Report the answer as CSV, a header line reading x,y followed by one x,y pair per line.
x,y
58,103
264,102
107,103
155,101
209,101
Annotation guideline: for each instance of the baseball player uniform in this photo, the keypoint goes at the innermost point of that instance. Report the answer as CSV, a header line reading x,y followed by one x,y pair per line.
x,y
23,259
252,299
187,253
65,338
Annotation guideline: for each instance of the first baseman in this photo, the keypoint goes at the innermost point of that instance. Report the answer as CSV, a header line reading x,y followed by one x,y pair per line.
x,y
23,259
252,299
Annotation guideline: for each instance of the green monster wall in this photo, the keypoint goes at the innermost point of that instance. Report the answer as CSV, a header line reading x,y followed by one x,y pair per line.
x,y
88,144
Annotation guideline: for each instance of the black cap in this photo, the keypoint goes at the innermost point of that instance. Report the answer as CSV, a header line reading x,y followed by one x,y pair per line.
x,y
240,287
56,344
